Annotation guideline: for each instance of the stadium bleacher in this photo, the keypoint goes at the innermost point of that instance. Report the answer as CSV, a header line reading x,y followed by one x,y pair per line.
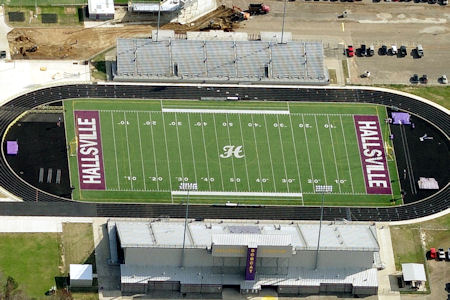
x,y
41,203
230,61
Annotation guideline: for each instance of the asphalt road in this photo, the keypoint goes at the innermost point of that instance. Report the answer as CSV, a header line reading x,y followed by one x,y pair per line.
x,y
400,23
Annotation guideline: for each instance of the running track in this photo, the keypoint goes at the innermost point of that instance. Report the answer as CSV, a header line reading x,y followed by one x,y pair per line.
x,y
49,205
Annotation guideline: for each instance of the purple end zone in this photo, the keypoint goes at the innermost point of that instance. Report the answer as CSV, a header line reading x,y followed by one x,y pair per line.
x,y
376,173
250,267
90,158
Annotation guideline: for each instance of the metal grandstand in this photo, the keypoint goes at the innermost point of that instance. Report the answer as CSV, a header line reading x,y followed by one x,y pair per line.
x,y
221,61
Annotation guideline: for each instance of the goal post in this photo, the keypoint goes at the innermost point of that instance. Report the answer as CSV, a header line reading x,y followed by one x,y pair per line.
x,y
389,150
73,146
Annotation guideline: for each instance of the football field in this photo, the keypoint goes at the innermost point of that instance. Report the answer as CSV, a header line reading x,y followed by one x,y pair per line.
x,y
242,152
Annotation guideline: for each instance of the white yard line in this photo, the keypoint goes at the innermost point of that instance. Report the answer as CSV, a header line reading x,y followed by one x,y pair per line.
x,y
360,157
115,150
245,155
334,154
140,147
232,159
226,111
257,156
270,154
179,147
218,151
154,151
307,150
282,154
320,148
127,111
295,153
167,150
128,150
346,153
192,148
206,153
312,114
206,193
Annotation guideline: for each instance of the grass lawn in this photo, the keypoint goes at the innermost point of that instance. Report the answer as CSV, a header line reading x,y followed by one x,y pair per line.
x,y
35,259
42,2
437,94
66,16
406,239
32,259
406,245
78,244
99,71
281,151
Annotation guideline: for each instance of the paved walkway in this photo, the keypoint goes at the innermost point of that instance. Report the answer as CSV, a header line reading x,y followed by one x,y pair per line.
x,y
387,257
20,76
108,276
37,224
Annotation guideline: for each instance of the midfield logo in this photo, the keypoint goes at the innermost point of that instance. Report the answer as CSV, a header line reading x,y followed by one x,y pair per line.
x,y
230,150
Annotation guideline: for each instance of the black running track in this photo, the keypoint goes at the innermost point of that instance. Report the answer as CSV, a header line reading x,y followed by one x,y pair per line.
x,y
38,203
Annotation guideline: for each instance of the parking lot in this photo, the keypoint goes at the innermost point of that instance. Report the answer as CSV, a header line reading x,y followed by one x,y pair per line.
x,y
383,23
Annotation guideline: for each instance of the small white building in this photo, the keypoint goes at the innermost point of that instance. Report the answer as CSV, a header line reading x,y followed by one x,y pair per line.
x,y
414,274
101,9
80,275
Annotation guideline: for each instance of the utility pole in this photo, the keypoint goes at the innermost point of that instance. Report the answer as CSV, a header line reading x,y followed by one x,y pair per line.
x,y
282,26
159,18
321,189
185,186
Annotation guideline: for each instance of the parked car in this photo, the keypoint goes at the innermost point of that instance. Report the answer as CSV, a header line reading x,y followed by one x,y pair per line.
x,y
2,54
444,2
419,51
415,79
403,51
371,50
433,254
444,79
383,50
424,79
441,254
363,50
350,51
394,50
448,254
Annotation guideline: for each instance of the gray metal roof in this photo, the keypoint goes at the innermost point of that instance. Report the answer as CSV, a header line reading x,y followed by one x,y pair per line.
x,y
169,234
144,59
206,275
134,234
413,272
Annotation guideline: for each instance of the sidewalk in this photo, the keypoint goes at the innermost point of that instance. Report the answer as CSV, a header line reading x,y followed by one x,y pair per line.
x,y
385,291
37,224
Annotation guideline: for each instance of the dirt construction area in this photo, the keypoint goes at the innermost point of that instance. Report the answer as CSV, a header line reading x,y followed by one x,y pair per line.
x,y
83,43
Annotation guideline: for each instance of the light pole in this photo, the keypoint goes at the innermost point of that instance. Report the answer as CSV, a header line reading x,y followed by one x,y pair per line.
x,y
159,17
321,189
282,26
186,186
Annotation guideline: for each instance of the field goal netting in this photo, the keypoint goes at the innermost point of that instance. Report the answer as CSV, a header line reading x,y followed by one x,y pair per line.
x,y
389,151
73,146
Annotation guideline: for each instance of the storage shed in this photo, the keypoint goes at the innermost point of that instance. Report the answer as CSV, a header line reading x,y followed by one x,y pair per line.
x,y
414,274
101,9
80,275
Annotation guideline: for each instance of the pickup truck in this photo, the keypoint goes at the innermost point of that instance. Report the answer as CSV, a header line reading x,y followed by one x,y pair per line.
x,y
441,254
